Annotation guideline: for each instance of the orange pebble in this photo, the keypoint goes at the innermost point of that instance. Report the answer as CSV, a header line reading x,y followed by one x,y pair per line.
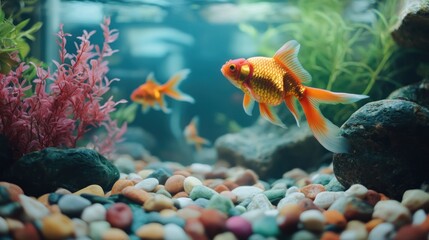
x,y
425,224
220,188
120,185
372,224
135,194
181,194
330,236
333,217
311,190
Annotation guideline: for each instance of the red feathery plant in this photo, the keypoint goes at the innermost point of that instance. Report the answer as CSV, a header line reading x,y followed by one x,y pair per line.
x,y
66,103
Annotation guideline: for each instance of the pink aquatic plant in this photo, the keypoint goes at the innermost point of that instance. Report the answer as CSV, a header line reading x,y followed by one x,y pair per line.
x,y
64,104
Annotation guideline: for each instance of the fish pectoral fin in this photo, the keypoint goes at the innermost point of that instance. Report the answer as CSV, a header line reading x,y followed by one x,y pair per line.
x,y
287,55
163,105
171,87
268,113
248,104
145,107
290,103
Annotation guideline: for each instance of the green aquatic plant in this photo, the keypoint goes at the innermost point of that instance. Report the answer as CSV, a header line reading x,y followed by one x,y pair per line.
x,y
13,41
341,55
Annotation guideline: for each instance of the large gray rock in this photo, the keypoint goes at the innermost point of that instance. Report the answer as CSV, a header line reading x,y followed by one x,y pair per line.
x,y
270,150
413,28
45,171
418,93
390,147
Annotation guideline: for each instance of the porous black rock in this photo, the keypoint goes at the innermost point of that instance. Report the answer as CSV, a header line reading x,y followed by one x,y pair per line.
x,y
270,150
389,147
45,171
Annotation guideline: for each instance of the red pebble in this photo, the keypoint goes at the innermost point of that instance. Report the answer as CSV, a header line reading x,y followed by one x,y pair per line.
x,y
13,190
120,216
213,221
195,229
28,232
411,232
372,197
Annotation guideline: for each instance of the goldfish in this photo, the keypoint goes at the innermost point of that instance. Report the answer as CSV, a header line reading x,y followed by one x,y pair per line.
x,y
191,134
151,94
271,81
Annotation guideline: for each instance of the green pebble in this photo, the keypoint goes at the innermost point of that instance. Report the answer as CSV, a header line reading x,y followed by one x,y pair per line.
x,y
303,234
96,229
275,195
334,186
201,191
220,203
164,192
266,226
236,211
323,179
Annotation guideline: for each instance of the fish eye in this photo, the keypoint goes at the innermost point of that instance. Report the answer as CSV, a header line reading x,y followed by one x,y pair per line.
x,y
232,67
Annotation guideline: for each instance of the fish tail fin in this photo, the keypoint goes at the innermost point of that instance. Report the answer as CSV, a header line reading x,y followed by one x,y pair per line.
x,y
171,87
324,130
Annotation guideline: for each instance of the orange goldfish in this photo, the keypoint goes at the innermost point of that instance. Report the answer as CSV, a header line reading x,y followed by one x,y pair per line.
x,y
191,134
151,93
270,81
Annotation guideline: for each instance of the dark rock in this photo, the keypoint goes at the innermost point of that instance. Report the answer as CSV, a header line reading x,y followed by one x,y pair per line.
x,y
6,155
418,93
73,169
389,147
413,28
270,150
161,174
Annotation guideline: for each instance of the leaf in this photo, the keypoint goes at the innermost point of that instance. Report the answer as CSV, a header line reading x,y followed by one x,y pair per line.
x,y
21,25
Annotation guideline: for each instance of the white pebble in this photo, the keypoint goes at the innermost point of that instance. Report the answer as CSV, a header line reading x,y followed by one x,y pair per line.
x,y
3,226
200,168
415,199
244,192
174,232
295,197
253,215
382,231
260,201
356,229
312,220
190,182
184,202
357,190
419,217
148,184
392,211
134,176
80,228
325,199
95,212
33,209
291,190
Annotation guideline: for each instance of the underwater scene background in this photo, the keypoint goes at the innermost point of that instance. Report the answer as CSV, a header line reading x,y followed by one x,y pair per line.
x,y
349,52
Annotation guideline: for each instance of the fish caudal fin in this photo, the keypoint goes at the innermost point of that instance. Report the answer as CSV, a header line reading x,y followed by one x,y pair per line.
x,y
171,87
324,130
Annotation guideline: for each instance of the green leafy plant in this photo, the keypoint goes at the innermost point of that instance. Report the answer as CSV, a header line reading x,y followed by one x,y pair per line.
x,y
340,54
13,41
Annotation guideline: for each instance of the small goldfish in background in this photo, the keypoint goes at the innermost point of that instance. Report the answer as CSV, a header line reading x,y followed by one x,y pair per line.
x,y
151,93
191,134
270,81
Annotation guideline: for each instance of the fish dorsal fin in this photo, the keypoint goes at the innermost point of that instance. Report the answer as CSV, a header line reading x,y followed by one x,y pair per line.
x,y
287,55
151,79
